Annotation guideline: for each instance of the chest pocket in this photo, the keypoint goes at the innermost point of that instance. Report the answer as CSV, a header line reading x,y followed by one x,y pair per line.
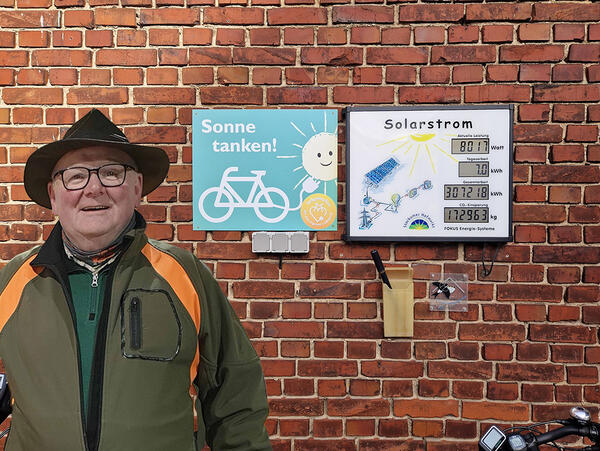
x,y
150,325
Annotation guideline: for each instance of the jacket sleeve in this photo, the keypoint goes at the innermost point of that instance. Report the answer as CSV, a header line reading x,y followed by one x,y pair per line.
x,y
232,401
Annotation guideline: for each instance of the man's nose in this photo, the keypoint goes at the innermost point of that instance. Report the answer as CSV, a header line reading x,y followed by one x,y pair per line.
x,y
94,184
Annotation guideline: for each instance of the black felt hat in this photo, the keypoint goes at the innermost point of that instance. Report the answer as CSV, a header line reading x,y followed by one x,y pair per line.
x,y
93,129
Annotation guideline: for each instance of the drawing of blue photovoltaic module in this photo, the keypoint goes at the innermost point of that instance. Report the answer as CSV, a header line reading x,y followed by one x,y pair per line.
x,y
376,176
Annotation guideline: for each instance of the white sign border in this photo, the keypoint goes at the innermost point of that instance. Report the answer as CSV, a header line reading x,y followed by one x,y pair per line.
x,y
348,236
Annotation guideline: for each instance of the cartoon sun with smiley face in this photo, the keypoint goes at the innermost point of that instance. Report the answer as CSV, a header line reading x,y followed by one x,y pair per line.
x,y
319,156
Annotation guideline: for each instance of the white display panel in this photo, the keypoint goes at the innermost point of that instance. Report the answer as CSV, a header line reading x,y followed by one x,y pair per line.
x,y
434,173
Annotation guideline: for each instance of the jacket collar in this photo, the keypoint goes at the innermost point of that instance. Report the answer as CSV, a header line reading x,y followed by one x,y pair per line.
x,y
52,252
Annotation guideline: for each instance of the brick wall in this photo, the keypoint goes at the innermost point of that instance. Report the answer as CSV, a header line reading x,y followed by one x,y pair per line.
x,y
528,346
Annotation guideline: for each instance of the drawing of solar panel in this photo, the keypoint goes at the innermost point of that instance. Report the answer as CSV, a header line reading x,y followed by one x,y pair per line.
x,y
375,176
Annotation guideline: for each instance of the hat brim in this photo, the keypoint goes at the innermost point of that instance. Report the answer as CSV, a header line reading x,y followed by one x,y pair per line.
x,y
151,162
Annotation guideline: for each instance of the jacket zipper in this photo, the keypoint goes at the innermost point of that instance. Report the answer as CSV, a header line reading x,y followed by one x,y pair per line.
x,y
94,297
97,376
135,323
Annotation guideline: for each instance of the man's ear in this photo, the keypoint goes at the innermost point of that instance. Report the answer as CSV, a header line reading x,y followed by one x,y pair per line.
x,y
139,183
51,194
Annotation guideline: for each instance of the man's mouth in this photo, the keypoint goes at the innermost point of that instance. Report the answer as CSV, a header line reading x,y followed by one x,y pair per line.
x,y
94,208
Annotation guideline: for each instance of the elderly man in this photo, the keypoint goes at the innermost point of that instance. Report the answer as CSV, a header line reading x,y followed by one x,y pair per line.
x,y
112,341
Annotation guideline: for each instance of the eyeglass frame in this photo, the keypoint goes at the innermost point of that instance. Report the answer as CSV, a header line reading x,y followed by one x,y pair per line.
x,y
90,171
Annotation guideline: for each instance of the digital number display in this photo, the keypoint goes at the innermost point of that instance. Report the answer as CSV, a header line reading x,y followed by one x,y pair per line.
x,y
473,169
466,214
466,192
464,146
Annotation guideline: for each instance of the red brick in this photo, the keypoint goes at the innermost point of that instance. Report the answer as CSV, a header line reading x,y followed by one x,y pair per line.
x,y
363,14
130,57
280,329
531,53
502,391
327,368
164,37
536,133
567,72
230,36
265,36
131,38
533,32
401,74
497,93
365,35
331,387
131,76
563,274
356,407
34,38
531,154
264,56
569,12
565,254
398,55
32,77
463,34
467,74
430,13
234,16
78,18
584,53
503,72
429,35
67,38
534,113
62,77
28,19
499,12
367,75
569,93
298,36
350,94
27,115
434,74
266,76
337,56
568,113
569,32
161,76
564,194
32,96
582,133
299,95
197,36
395,35
122,17
171,16
426,94
97,96
463,54
497,33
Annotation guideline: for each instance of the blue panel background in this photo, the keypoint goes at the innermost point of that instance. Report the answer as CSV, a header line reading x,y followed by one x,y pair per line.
x,y
304,152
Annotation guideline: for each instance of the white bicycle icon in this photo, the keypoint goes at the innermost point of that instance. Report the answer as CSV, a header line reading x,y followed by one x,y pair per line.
x,y
270,204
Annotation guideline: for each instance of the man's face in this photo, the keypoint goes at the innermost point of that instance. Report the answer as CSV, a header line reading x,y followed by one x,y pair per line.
x,y
94,216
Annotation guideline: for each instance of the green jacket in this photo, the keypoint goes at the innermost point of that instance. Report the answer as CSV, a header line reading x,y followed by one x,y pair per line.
x,y
168,346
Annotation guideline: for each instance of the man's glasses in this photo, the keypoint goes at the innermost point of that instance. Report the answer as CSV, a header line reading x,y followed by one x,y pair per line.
x,y
77,177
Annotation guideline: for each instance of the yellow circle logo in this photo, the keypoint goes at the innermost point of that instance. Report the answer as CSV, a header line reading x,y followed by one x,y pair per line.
x,y
318,211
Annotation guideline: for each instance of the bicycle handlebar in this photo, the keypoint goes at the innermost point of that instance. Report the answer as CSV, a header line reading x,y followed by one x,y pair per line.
x,y
529,439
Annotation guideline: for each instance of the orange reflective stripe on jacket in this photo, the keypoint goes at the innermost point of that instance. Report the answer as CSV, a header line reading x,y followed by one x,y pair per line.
x,y
172,271
9,299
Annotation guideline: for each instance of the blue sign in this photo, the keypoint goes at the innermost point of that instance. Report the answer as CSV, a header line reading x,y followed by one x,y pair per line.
x,y
265,169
